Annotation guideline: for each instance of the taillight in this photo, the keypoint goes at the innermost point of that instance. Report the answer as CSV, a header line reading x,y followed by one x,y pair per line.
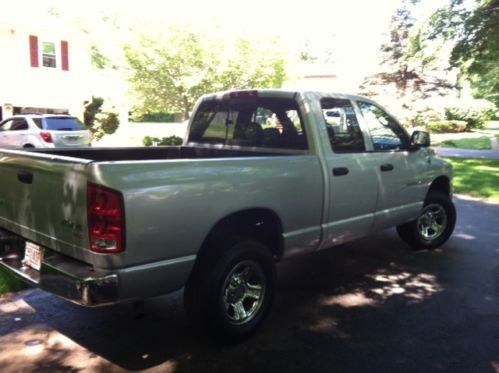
x,y
46,136
106,219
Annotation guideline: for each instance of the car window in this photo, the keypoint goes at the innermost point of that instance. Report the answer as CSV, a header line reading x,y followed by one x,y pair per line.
x,y
62,124
38,122
257,122
19,124
386,133
6,125
345,135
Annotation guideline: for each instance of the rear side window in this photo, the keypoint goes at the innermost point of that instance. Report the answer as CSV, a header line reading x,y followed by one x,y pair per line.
x,y
62,124
254,122
342,126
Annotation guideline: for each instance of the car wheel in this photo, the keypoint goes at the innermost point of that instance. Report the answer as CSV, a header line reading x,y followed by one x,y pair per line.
x,y
231,295
434,224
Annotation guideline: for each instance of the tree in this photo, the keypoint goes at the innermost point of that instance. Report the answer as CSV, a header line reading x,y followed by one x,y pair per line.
x,y
411,74
475,34
169,73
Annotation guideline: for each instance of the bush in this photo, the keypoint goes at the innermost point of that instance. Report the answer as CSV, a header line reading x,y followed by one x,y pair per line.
x,y
91,110
422,118
153,141
155,118
446,126
105,124
476,113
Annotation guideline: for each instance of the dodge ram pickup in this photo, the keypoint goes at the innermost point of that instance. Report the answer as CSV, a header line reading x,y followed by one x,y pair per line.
x,y
261,175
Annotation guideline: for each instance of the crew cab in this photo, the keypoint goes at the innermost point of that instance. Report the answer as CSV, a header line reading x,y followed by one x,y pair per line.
x,y
262,175
43,131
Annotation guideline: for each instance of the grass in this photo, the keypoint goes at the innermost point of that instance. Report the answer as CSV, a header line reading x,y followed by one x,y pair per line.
x,y
477,143
9,283
476,177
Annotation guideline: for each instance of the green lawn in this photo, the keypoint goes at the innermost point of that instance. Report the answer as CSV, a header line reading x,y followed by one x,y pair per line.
x,y
9,283
476,177
479,143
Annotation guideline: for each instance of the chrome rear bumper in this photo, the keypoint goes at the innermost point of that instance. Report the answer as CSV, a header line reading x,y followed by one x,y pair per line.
x,y
66,277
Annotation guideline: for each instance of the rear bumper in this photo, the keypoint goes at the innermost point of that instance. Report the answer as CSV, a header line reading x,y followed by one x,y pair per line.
x,y
86,285
60,275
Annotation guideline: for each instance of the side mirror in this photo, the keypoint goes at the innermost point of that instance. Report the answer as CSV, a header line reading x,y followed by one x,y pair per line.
x,y
420,139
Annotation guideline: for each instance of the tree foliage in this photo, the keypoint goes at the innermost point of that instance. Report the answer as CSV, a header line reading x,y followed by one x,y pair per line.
x,y
408,76
169,72
99,122
475,33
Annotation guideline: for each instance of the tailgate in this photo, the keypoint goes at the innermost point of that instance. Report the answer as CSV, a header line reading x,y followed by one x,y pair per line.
x,y
70,138
43,199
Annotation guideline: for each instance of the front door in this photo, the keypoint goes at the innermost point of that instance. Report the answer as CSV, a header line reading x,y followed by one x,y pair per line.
x,y
399,170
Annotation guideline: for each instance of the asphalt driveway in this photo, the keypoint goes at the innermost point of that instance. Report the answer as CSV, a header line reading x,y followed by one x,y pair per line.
x,y
368,306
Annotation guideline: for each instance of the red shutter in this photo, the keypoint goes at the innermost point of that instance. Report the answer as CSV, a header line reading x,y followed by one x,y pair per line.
x,y
64,55
33,50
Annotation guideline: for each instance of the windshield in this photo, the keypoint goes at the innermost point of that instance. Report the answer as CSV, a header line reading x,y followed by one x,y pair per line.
x,y
262,122
62,124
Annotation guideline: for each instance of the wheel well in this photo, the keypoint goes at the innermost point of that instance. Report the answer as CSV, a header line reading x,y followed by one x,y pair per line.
x,y
441,184
28,146
260,224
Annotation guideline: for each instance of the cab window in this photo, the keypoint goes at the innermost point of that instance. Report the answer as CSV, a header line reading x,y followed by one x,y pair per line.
x,y
345,135
386,133
255,122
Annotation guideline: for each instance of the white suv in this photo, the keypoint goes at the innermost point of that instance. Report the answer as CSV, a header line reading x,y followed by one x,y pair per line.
x,y
43,131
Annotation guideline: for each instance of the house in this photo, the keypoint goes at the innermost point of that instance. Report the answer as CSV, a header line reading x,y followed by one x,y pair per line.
x,y
44,68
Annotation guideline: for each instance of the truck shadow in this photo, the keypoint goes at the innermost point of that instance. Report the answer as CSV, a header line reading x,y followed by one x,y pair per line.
x,y
371,305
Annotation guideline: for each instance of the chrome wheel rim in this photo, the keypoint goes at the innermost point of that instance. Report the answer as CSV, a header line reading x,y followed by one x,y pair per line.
x,y
432,222
244,292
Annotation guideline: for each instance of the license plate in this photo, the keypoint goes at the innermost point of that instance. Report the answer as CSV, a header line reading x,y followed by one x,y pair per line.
x,y
33,256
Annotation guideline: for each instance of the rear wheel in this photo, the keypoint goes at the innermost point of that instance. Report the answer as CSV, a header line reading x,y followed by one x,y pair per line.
x,y
434,224
230,295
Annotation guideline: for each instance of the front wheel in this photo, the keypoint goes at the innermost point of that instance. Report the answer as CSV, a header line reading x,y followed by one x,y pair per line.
x,y
231,295
434,224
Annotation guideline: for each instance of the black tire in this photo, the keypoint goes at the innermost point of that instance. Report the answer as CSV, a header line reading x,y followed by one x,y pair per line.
x,y
439,212
218,286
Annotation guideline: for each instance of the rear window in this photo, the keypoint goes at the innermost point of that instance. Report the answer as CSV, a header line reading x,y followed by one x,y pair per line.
x,y
62,124
258,122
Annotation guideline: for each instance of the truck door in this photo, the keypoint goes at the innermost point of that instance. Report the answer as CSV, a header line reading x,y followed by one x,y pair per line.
x,y
351,174
399,171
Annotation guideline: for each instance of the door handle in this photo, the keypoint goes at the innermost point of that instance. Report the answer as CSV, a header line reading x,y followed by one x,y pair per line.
x,y
340,171
386,167
25,177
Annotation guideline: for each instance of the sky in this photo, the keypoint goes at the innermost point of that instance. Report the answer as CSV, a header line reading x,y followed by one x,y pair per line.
x,y
352,30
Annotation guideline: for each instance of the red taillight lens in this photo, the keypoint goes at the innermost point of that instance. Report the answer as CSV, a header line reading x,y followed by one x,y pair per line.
x,y
106,219
46,136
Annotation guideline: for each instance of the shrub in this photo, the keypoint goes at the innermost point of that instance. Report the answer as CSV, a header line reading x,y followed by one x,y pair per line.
x,y
422,118
105,124
171,140
476,113
155,118
91,110
446,126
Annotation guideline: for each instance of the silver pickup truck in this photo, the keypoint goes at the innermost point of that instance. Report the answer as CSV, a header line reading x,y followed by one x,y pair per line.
x,y
261,176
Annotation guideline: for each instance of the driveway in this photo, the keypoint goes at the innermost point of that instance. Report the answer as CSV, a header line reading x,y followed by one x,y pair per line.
x,y
369,306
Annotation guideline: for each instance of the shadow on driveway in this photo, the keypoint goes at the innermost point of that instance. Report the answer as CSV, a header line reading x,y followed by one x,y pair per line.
x,y
368,306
